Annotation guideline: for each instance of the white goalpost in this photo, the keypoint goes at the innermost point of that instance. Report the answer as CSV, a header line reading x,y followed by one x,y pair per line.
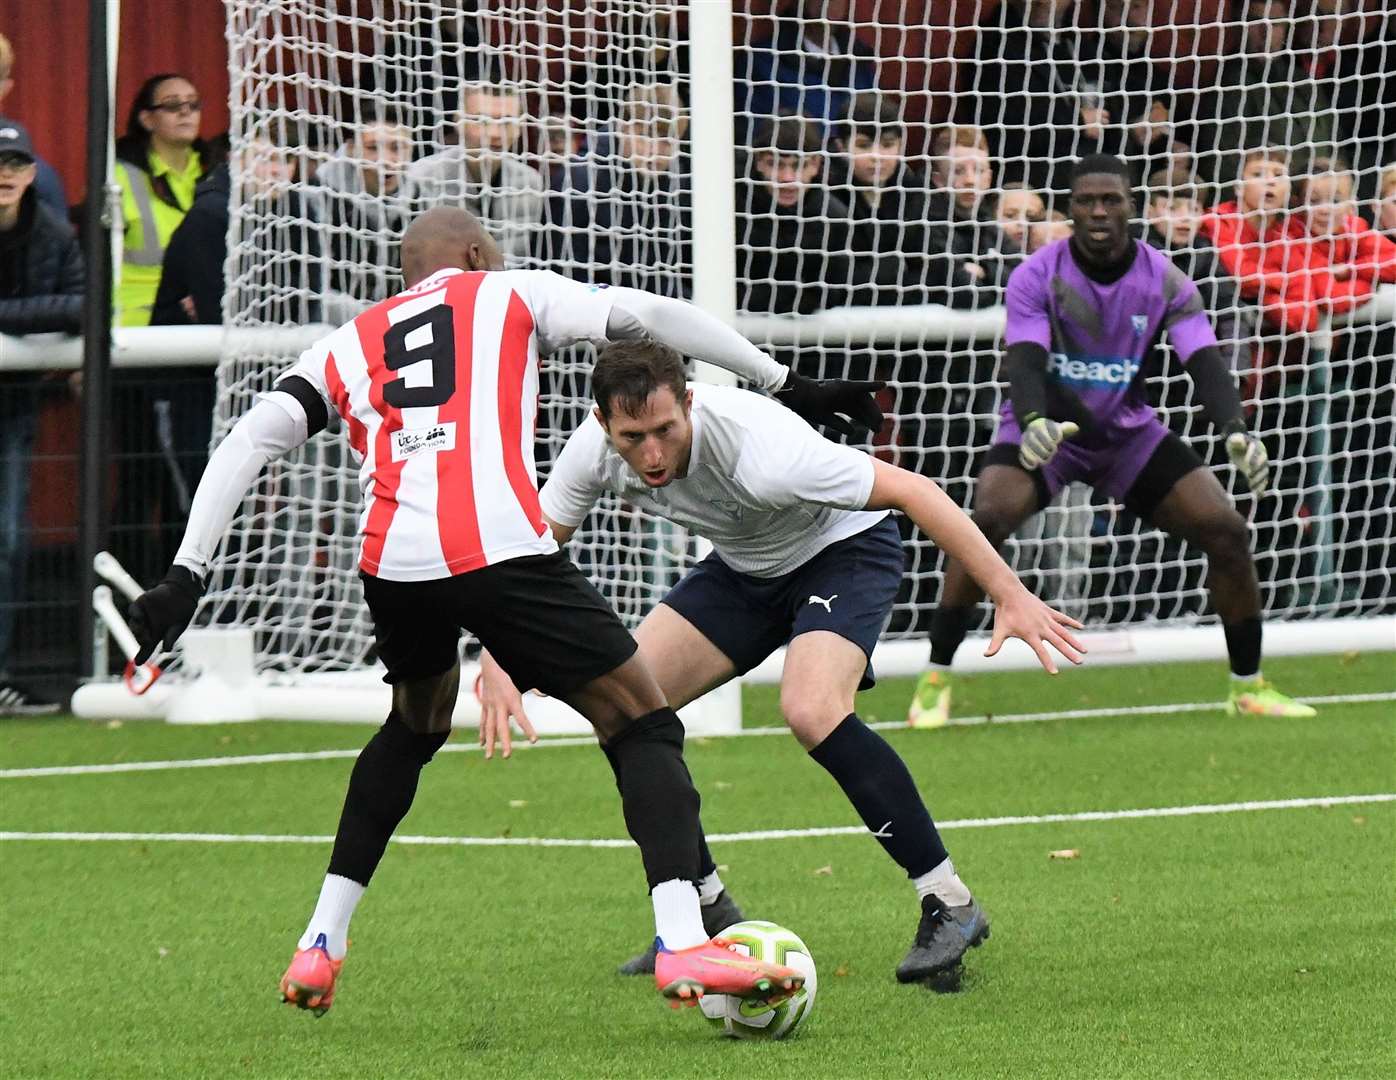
x,y
622,141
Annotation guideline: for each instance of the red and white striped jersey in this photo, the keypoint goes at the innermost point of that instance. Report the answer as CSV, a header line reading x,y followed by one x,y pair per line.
x,y
438,388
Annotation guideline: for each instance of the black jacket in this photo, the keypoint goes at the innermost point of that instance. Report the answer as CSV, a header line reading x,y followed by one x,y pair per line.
x,y
41,273
611,225
193,265
800,259
976,240
1019,92
910,248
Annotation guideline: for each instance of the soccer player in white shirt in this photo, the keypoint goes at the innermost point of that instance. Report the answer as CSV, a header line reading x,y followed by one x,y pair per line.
x,y
438,391
804,553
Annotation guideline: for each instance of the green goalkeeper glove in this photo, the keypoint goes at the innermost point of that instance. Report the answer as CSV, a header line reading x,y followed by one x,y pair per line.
x,y
1040,441
1248,454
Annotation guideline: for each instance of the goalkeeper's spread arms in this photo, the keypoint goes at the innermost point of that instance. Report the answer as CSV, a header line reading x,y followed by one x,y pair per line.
x,y
526,314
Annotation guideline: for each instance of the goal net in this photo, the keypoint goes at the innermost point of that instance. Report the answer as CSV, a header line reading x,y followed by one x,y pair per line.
x,y
871,239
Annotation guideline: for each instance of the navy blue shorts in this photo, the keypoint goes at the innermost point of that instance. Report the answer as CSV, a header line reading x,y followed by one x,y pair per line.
x,y
848,589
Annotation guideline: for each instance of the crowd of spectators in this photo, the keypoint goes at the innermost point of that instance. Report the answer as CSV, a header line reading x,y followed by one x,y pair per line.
x,y
1246,179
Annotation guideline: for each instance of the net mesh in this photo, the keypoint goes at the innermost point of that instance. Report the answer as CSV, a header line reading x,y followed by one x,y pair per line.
x,y
894,164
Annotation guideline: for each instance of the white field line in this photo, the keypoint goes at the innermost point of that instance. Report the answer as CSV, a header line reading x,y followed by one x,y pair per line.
x,y
1202,809
587,740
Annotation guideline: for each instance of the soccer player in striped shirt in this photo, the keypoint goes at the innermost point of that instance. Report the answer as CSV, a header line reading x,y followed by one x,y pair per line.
x,y
804,553
438,390
1084,315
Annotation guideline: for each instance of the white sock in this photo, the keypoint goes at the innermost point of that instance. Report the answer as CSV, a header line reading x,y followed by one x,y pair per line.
x,y
942,668
943,883
709,889
1246,678
677,921
338,898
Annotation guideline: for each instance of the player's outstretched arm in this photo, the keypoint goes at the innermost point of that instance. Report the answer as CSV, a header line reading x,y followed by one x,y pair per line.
x,y
1018,613
1215,390
159,615
841,404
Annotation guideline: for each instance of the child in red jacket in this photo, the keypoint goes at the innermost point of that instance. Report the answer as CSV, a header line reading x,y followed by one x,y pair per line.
x,y
1350,257
1386,208
1262,245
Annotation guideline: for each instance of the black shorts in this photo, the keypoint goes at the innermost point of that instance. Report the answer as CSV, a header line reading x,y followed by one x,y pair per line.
x,y
847,589
539,617
1170,461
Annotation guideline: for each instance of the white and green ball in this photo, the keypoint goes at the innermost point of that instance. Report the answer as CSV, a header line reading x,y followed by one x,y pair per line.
x,y
756,1020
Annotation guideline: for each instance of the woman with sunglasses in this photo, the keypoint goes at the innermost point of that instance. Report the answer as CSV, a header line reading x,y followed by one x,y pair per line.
x,y
160,161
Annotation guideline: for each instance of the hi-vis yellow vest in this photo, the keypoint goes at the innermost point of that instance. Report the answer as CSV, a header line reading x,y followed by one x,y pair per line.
x,y
149,223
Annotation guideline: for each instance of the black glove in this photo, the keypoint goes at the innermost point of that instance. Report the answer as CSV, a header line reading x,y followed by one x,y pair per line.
x,y
820,401
162,613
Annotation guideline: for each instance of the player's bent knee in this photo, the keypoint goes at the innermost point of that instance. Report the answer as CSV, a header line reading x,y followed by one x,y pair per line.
x,y
811,719
425,705
1225,536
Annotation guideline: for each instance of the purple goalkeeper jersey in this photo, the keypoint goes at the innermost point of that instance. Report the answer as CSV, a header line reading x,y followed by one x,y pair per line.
x,y
1098,337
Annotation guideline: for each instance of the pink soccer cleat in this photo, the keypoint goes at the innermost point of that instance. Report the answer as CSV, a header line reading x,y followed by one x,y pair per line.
x,y
716,967
309,981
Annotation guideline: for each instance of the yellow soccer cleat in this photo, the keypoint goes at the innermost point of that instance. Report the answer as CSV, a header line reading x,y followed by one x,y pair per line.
x,y
1257,697
930,706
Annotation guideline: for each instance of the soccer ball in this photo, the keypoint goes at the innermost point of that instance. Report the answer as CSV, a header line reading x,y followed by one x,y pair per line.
x,y
755,1019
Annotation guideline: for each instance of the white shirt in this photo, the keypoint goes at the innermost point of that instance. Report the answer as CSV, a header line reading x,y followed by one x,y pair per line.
x,y
763,487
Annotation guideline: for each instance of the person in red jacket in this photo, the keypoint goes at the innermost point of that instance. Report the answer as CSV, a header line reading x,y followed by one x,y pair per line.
x,y
1386,208
1353,255
1264,247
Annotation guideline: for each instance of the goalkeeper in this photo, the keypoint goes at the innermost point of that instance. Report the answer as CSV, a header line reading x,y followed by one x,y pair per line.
x,y
805,553
1084,314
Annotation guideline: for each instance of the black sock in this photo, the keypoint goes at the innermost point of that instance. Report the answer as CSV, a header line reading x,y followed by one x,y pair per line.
x,y
381,789
657,795
706,864
881,789
949,625
1243,646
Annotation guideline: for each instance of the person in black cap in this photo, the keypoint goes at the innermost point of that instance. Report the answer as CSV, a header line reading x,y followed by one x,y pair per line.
x,y
41,285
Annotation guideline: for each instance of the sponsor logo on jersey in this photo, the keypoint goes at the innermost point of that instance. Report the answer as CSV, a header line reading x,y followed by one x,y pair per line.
x,y
1104,373
1141,323
409,442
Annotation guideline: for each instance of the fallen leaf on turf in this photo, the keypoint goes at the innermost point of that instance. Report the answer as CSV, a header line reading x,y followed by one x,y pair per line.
x,y
1065,853
722,785
114,724
163,951
722,869
224,740
1302,971
841,970
1359,819
1350,658
824,871
517,804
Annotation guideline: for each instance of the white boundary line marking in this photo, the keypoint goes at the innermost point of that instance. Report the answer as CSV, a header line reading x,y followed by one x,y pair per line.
x,y
587,740
1324,801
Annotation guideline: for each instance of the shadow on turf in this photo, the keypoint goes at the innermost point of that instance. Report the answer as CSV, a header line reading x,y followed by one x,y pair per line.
x,y
953,981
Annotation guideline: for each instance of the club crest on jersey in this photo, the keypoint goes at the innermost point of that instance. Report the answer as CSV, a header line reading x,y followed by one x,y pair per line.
x,y
730,507
409,442
1141,323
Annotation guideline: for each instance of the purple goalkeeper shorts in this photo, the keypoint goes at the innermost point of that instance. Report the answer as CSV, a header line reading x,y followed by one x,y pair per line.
x,y
1110,467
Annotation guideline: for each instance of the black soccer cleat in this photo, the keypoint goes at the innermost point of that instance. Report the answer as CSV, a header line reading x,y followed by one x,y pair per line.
x,y
942,939
717,917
